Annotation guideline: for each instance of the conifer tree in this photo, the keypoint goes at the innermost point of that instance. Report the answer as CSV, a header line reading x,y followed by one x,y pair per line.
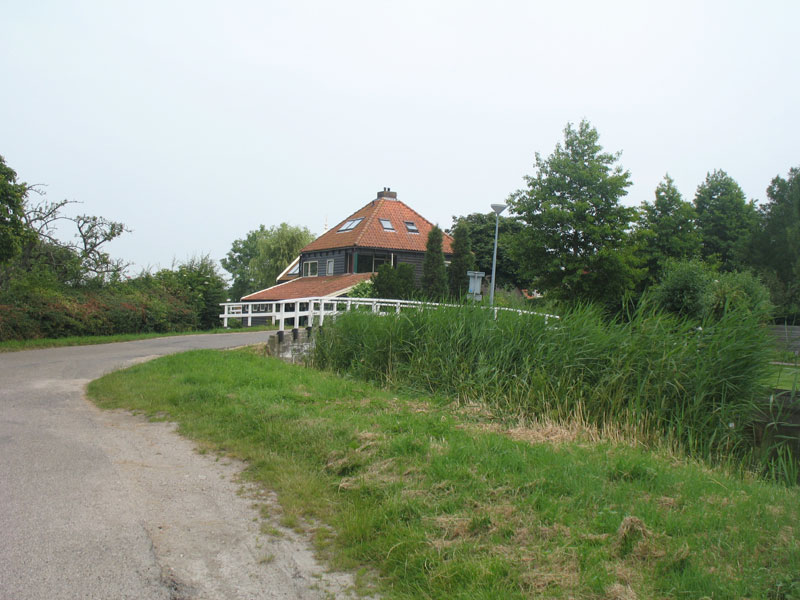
x,y
434,273
463,261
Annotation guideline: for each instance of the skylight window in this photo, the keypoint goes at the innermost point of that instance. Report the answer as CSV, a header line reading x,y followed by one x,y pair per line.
x,y
350,225
387,224
411,227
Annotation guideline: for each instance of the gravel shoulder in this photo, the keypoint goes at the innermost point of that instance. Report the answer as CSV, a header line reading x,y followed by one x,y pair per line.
x,y
203,523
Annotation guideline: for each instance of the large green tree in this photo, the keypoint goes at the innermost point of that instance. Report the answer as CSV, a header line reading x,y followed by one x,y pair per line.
x,y
725,219
12,224
463,260
573,244
666,229
256,260
776,246
434,273
481,236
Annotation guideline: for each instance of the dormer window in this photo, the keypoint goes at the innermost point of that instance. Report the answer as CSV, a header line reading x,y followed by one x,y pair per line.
x,y
387,224
350,225
411,227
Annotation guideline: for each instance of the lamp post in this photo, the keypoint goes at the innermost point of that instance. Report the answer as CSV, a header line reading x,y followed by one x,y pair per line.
x,y
497,208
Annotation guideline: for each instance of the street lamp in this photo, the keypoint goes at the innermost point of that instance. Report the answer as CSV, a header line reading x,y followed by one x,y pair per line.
x,y
497,208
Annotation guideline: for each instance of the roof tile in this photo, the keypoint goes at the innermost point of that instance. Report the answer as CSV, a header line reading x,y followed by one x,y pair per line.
x,y
369,233
309,287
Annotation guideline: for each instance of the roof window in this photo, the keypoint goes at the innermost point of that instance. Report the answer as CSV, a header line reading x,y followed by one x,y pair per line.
x,y
387,224
350,225
411,227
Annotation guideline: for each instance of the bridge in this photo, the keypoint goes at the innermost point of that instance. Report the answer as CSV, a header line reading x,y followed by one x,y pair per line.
x,y
306,312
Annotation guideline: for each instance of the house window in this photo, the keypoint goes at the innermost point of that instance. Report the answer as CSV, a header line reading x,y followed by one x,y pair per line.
x,y
329,268
380,259
387,224
350,225
411,227
310,268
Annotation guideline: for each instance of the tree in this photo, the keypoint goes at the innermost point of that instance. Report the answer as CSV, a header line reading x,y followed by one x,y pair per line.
x,y
666,229
726,220
394,282
256,260
575,227
29,244
12,225
87,245
481,236
199,282
776,246
434,274
463,260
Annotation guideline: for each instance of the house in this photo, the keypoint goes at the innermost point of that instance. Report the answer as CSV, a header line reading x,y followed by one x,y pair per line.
x,y
384,231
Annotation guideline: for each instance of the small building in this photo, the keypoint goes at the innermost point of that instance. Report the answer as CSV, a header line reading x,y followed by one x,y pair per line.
x,y
384,231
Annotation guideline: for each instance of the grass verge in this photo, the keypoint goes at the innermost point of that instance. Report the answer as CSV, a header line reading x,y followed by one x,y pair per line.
x,y
89,340
449,502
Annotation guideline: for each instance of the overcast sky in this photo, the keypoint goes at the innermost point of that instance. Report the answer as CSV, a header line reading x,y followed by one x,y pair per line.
x,y
194,122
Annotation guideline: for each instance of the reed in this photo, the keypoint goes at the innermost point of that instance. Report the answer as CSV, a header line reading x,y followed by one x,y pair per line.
x,y
694,384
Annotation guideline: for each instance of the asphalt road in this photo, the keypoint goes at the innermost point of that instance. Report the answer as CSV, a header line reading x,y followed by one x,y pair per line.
x,y
73,522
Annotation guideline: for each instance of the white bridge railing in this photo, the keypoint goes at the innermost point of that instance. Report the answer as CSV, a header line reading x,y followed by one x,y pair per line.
x,y
315,310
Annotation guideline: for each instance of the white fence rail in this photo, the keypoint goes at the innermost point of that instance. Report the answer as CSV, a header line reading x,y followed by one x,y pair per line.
x,y
316,310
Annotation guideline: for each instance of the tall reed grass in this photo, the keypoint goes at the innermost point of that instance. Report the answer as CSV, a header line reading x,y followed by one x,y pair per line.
x,y
695,384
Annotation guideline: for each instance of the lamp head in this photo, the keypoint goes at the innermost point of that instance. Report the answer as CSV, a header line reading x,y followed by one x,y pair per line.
x,y
498,208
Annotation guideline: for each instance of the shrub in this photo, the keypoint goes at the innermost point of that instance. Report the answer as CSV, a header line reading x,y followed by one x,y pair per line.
x,y
692,289
363,289
394,282
741,291
684,289
35,307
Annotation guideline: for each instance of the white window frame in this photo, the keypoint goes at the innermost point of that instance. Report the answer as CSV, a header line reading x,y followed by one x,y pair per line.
x,y
387,224
330,266
307,268
350,225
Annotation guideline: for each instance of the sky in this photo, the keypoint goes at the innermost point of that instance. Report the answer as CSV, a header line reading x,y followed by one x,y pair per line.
x,y
195,122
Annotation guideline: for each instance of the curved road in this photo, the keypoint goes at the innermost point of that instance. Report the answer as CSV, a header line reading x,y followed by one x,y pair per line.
x,y
75,487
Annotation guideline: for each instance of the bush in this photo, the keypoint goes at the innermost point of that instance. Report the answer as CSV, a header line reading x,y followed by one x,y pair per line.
x,y
693,289
34,307
363,289
740,291
394,282
685,289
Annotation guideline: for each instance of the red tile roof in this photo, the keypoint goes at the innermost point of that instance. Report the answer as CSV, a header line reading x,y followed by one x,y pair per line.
x,y
369,233
310,287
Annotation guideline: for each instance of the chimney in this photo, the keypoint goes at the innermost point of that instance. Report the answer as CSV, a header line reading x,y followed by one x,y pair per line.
x,y
387,193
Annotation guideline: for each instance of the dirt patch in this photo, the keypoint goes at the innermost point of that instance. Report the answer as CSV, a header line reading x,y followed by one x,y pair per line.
x,y
204,523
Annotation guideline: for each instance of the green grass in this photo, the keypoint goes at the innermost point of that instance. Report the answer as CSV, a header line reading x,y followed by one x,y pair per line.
x,y
17,345
442,501
784,377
